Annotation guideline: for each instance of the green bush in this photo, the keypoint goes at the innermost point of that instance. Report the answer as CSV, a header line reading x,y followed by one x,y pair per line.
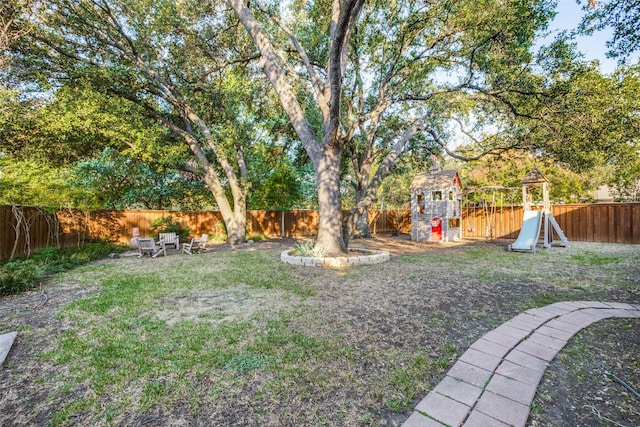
x,y
169,225
25,273
256,237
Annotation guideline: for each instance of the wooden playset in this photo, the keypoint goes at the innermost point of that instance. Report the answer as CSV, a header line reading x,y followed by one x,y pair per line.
x,y
532,220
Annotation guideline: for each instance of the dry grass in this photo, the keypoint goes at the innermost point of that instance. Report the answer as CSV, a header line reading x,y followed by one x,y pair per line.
x,y
237,338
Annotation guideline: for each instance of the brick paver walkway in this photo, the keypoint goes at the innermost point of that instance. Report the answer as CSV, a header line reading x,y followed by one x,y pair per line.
x,y
494,381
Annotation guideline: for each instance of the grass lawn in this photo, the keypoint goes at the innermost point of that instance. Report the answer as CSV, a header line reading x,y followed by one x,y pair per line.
x,y
238,338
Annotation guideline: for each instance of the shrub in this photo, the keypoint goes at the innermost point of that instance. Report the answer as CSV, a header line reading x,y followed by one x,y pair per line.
x,y
25,273
256,237
308,249
169,225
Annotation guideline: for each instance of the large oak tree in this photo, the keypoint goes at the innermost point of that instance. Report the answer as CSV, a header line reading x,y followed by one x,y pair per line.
x,y
182,62
381,73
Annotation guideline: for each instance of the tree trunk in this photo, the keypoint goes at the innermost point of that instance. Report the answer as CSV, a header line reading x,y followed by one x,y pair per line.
x,y
18,213
330,236
325,155
362,225
356,224
358,220
359,216
234,217
236,226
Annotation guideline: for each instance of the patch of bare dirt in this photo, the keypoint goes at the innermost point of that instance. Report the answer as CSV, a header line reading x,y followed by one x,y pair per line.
x,y
220,306
592,381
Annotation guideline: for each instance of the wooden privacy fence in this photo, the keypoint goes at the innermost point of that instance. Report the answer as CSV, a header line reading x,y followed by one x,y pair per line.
x,y
23,229
501,222
66,228
616,222
610,222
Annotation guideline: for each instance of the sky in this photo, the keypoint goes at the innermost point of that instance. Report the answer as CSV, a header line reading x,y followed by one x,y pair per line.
x,y
593,47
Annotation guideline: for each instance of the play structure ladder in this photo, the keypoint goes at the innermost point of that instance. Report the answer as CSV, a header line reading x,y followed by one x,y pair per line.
x,y
549,218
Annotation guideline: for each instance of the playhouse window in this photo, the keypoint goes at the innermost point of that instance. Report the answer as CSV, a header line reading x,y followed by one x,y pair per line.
x,y
454,223
420,201
436,195
450,195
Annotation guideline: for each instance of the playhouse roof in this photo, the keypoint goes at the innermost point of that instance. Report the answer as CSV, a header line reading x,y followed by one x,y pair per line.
x,y
439,179
534,177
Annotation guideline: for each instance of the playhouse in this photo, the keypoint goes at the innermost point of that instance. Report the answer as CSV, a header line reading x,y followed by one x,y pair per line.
x,y
436,206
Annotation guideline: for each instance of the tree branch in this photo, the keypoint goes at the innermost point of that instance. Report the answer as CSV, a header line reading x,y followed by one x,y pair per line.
x,y
316,82
344,15
276,73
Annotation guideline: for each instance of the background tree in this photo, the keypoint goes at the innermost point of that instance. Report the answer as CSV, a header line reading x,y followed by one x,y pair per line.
x,y
593,123
395,191
63,136
508,170
170,59
76,122
273,180
593,126
625,164
10,28
17,121
117,181
29,182
625,183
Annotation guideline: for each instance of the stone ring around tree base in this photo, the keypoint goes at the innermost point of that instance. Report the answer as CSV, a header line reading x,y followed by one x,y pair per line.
x,y
358,257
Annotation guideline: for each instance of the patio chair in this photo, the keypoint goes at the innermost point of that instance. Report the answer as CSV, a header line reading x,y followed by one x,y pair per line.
x,y
169,239
196,245
147,246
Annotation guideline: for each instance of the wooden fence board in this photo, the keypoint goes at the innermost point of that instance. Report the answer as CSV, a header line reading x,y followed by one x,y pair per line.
x,y
597,225
611,226
5,238
584,225
577,223
589,226
635,223
625,224
574,222
599,218
608,230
